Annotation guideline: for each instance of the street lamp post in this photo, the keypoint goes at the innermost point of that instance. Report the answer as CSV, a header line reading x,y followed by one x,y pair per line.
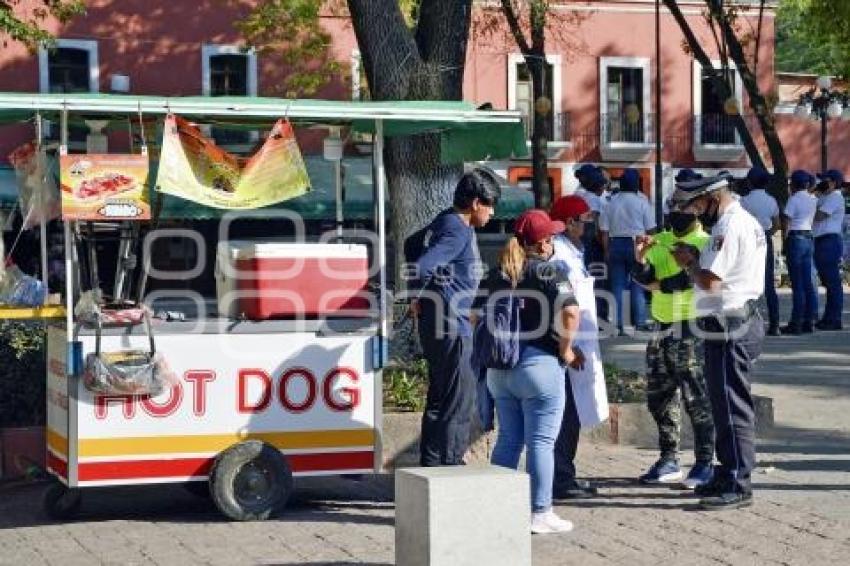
x,y
659,169
823,103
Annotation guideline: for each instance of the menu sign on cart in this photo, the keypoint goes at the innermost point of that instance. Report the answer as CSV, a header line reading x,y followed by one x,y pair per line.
x,y
194,168
104,187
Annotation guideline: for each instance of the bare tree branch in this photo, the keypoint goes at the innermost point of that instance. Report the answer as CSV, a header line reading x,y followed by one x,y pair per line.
x,y
717,80
516,29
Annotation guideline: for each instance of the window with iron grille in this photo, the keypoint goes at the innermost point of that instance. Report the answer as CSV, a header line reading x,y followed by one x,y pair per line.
x,y
524,90
68,70
625,105
716,124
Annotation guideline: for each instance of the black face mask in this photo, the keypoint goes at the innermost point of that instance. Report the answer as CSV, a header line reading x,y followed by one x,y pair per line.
x,y
709,217
681,221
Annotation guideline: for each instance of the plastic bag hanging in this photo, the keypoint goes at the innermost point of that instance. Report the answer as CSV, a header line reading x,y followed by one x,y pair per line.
x,y
127,371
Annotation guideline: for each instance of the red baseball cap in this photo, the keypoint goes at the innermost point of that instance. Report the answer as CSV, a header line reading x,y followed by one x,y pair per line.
x,y
535,225
570,206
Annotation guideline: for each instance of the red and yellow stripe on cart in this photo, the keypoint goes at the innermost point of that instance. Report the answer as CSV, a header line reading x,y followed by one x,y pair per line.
x,y
184,457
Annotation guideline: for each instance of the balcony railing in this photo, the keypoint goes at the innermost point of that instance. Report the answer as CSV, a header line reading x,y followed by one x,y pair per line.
x,y
715,129
557,129
625,127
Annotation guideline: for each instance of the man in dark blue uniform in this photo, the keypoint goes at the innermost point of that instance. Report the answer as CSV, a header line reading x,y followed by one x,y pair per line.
x,y
448,270
728,279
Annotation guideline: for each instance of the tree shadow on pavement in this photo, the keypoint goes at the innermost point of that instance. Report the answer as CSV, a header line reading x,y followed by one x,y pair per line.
x,y
20,506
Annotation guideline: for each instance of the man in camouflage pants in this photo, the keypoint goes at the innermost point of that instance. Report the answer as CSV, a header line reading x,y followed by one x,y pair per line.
x,y
673,355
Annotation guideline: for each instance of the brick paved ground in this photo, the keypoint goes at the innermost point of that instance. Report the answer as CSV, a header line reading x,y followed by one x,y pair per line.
x,y
802,514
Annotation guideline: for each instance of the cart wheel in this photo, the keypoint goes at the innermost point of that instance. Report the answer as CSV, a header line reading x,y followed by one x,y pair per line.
x,y
61,502
250,480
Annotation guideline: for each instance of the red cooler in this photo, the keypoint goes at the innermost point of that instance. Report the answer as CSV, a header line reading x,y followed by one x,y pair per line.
x,y
287,280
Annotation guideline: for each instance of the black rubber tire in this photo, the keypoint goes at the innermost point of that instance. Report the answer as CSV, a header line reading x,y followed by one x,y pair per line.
x,y
250,480
61,502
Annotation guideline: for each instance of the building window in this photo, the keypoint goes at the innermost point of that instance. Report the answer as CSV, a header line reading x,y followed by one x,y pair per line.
x,y
228,75
229,70
70,66
624,100
521,95
714,112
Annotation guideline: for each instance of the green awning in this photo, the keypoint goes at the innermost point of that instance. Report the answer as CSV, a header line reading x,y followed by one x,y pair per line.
x,y
468,134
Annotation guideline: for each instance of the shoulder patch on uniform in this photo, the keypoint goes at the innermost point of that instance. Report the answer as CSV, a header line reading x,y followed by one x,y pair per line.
x,y
564,288
717,243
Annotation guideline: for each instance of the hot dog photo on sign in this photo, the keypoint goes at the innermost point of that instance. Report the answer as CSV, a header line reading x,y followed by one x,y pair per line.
x,y
104,187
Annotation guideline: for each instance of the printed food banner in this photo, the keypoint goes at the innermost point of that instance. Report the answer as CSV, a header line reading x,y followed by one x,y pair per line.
x,y
194,168
104,187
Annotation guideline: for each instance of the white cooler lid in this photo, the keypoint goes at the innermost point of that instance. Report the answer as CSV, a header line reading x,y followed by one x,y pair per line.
x,y
252,249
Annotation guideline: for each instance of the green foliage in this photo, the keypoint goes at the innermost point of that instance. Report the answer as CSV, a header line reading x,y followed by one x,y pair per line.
x,y
22,373
292,31
813,36
405,385
624,385
22,21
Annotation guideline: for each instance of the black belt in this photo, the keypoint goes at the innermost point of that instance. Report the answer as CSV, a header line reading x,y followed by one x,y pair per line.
x,y
729,318
800,233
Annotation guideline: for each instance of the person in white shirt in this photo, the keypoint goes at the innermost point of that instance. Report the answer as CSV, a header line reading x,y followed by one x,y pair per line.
x,y
587,400
728,279
798,216
765,209
829,221
626,217
592,191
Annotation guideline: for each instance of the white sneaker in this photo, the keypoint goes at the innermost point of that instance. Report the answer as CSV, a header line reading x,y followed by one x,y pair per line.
x,y
548,522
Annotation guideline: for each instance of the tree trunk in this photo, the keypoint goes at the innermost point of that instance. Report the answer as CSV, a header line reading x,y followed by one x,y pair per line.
x,y
757,100
539,163
402,66
717,81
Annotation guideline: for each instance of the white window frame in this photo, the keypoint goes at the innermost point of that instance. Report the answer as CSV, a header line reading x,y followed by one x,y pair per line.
x,y
356,65
554,60
89,45
210,50
645,65
712,151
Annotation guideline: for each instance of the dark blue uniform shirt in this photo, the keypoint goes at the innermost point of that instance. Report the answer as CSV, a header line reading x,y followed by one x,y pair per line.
x,y
447,264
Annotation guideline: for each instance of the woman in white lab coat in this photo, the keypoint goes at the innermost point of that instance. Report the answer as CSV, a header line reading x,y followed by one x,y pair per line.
x,y
587,400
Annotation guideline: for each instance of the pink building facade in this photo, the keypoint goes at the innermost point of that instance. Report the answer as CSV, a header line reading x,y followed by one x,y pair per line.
x,y
602,77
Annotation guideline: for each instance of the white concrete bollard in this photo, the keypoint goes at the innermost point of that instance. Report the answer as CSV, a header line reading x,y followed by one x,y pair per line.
x,y
462,515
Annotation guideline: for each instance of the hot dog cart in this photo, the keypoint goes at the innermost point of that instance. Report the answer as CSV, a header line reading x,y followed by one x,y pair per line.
x,y
257,397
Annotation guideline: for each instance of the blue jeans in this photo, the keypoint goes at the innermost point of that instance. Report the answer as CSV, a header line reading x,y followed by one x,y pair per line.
x,y
804,308
770,286
621,260
828,252
529,406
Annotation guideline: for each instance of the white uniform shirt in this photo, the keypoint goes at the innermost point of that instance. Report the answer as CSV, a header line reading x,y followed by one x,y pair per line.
x,y
833,205
592,200
572,256
800,210
628,214
762,206
736,254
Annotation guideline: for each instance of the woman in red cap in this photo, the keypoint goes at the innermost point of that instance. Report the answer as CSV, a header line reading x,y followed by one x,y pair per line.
x,y
529,398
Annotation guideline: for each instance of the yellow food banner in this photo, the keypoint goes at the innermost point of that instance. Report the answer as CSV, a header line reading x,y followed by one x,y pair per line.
x,y
194,168
104,187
